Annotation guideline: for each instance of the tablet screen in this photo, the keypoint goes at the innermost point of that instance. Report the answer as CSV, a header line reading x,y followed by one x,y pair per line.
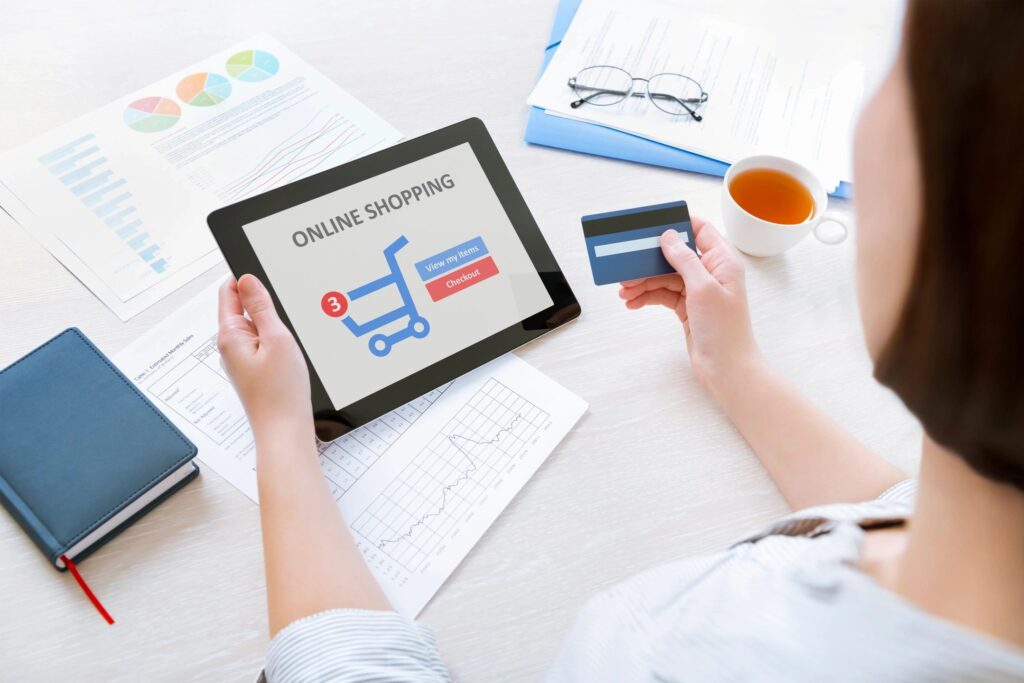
x,y
387,276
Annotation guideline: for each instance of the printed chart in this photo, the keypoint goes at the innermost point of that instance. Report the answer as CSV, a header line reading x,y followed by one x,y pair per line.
x,y
152,114
424,506
252,65
297,155
204,89
173,146
197,389
82,168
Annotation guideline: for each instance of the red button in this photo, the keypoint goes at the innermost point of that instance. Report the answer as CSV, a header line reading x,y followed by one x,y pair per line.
x,y
466,276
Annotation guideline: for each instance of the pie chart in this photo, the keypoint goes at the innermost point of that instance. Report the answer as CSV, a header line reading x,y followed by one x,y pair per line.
x,y
152,114
204,89
252,65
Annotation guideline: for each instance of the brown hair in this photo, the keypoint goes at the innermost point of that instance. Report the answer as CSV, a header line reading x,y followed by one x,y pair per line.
x,y
956,357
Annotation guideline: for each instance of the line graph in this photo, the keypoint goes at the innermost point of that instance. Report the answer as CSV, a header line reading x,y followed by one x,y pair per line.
x,y
297,155
467,473
424,506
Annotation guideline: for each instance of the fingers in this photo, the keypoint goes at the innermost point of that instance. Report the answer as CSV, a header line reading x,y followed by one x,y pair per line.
x,y
706,235
662,297
235,334
659,297
673,283
229,311
660,280
255,298
685,261
718,257
228,305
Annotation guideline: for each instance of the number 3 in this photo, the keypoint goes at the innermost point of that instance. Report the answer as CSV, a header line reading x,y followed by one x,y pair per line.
x,y
334,304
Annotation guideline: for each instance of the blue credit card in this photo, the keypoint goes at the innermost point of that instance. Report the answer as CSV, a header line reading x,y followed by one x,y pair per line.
x,y
623,245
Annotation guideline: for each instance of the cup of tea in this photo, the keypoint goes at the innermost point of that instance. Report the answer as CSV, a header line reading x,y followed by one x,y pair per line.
x,y
770,203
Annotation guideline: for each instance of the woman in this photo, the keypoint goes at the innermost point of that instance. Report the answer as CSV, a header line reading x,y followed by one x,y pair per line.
x,y
891,589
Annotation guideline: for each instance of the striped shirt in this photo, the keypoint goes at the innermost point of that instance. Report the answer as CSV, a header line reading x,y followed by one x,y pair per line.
x,y
785,604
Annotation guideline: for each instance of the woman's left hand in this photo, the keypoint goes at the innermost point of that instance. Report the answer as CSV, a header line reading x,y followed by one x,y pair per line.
x,y
708,294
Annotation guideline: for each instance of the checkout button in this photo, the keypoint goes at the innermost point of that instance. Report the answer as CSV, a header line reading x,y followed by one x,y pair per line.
x,y
458,280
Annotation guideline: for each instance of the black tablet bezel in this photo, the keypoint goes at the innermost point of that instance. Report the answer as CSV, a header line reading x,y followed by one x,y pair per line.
x,y
227,224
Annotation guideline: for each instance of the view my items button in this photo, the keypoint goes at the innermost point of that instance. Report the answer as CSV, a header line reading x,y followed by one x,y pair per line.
x,y
457,280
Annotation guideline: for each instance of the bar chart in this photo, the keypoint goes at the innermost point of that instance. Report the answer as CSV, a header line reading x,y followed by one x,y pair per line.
x,y
84,170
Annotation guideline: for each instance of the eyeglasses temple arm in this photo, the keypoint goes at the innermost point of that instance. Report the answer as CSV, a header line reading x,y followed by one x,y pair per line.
x,y
682,103
595,93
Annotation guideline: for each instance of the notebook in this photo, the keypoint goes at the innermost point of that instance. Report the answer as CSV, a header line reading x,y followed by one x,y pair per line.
x,y
83,453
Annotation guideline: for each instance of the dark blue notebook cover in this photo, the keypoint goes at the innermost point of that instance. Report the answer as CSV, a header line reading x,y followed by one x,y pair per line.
x,y
78,443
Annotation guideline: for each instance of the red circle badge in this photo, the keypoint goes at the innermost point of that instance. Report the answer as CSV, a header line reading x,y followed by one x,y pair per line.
x,y
334,304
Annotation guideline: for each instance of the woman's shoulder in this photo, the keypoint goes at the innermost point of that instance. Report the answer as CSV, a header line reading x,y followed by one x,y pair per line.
x,y
787,603
802,539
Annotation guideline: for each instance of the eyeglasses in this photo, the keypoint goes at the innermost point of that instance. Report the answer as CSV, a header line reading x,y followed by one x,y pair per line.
x,y
605,85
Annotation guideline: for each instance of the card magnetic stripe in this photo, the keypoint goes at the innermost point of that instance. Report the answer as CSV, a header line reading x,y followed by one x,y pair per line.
x,y
631,219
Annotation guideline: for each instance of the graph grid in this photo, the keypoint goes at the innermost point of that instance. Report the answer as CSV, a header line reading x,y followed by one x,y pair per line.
x,y
346,459
425,504
82,167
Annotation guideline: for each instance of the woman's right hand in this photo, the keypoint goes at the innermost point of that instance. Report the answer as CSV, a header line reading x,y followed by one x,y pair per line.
x,y
708,293
261,356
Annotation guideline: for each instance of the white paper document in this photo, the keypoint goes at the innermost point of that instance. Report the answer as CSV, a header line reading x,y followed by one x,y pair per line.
x,y
763,97
120,196
418,486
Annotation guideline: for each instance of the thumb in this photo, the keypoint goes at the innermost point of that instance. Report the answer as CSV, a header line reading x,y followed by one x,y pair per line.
x,y
685,260
257,302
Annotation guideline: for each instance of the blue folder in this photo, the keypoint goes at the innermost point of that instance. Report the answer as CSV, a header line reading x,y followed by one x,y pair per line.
x,y
590,138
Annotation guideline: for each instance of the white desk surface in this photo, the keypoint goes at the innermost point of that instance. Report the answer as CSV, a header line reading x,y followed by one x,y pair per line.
x,y
653,473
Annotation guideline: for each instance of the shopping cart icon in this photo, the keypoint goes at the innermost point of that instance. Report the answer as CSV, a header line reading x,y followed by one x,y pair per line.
x,y
381,344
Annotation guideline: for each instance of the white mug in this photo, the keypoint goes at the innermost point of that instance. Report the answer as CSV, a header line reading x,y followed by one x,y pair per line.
x,y
758,237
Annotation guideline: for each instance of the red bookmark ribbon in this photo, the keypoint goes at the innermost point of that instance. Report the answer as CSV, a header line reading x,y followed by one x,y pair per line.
x,y
85,589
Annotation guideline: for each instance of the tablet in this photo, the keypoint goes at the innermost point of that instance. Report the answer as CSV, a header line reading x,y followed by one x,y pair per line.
x,y
399,271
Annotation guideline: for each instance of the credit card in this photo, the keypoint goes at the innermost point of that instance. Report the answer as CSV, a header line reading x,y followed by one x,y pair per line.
x,y
623,245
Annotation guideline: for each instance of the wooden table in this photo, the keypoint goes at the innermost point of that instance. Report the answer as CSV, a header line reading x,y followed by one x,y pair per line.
x,y
653,473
